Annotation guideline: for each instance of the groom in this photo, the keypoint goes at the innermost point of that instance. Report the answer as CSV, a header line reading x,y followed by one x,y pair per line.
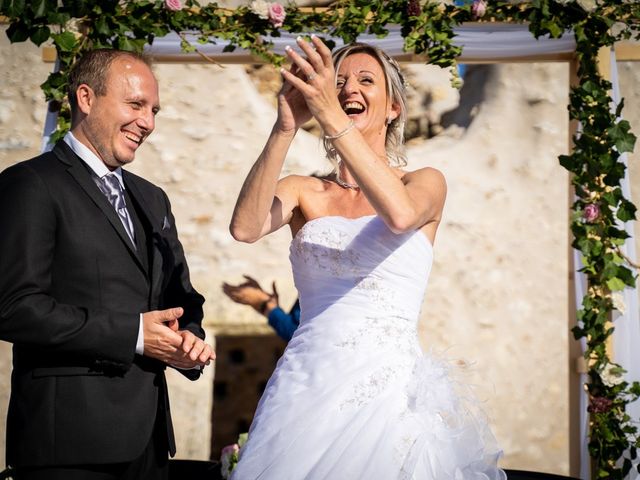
x,y
94,290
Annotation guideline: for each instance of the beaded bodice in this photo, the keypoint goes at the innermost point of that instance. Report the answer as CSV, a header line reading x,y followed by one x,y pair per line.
x,y
361,264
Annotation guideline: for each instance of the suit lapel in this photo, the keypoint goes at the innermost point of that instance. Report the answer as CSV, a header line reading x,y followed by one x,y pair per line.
x,y
149,219
81,175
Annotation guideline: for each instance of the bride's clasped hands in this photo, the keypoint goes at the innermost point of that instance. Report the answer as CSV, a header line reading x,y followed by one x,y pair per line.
x,y
312,80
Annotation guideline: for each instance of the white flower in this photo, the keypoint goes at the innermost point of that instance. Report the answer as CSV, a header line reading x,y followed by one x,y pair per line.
x,y
617,28
564,2
587,5
260,8
611,375
618,302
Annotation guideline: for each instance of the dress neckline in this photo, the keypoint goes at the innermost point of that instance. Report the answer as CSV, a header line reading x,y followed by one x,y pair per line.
x,y
355,219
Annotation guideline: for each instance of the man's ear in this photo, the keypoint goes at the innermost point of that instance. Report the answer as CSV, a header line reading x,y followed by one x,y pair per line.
x,y
84,98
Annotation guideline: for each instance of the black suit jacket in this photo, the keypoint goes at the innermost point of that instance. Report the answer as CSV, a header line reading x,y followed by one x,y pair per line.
x,y
72,287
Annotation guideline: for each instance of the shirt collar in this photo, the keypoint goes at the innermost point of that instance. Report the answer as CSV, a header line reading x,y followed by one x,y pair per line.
x,y
96,165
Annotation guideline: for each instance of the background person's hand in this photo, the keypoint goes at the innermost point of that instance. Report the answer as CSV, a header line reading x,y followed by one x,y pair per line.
x,y
248,293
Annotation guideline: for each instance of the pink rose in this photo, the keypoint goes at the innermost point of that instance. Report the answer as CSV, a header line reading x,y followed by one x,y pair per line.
x,y
591,212
173,5
230,449
277,14
478,8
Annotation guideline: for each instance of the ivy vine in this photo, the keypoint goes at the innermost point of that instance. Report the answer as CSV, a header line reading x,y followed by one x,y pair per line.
x,y
74,26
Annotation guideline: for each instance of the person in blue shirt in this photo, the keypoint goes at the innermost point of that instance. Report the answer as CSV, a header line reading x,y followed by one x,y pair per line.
x,y
251,293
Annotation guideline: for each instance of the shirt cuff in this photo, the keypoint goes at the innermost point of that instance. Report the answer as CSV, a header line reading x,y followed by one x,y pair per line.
x,y
140,341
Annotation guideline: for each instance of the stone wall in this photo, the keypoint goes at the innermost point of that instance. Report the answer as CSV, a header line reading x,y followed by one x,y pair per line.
x,y
497,300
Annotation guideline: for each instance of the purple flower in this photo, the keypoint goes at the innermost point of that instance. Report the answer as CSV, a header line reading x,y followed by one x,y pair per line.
x,y
478,8
599,405
277,14
173,5
591,212
413,8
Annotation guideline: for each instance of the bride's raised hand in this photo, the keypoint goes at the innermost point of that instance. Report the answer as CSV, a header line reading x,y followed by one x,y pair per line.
x,y
315,80
292,107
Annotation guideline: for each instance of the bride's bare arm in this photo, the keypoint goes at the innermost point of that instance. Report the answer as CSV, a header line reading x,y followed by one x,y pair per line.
x,y
264,203
404,204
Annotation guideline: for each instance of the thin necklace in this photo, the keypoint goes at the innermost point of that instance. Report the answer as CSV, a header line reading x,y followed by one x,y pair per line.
x,y
343,184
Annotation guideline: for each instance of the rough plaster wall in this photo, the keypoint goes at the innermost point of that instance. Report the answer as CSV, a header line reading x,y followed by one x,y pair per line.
x,y
498,291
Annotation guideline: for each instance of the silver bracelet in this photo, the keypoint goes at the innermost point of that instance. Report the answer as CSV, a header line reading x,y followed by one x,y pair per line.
x,y
342,133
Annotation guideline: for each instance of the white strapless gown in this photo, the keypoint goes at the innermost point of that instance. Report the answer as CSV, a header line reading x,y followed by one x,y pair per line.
x,y
353,396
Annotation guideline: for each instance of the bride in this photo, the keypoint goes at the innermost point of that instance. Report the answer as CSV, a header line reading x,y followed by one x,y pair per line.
x,y
353,396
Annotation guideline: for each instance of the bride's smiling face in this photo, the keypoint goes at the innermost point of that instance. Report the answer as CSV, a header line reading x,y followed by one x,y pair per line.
x,y
362,92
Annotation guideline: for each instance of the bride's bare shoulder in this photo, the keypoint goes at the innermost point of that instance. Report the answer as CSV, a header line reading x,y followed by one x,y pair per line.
x,y
315,183
427,179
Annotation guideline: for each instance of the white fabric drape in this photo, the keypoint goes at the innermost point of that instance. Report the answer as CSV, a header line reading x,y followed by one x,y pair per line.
x,y
627,323
580,283
479,42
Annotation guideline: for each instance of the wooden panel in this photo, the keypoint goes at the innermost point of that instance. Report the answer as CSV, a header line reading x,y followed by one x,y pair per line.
x,y
627,51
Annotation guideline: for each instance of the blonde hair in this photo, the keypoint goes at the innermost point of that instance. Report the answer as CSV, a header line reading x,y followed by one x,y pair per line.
x,y
396,92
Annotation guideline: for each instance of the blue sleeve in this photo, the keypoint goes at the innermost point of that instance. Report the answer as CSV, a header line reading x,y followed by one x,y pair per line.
x,y
285,323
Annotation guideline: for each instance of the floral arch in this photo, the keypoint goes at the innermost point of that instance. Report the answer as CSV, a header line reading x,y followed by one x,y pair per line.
x,y
429,30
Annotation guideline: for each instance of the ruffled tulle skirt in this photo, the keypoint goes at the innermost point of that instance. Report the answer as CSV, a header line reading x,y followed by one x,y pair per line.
x,y
366,403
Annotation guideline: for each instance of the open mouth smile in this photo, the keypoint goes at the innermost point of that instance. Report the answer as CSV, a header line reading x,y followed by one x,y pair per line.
x,y
353,108
137,139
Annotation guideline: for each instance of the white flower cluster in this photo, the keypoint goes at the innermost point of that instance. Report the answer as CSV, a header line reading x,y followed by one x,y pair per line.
x,y
611,375
586,5
618,302
260,8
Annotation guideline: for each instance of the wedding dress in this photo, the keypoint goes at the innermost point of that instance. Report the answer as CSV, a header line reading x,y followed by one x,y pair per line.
x,y
353,396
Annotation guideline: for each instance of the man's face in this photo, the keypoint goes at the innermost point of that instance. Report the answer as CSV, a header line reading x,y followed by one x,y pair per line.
x,y
118,122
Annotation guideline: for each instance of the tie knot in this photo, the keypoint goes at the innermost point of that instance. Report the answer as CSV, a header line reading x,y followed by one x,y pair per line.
x,y
113,191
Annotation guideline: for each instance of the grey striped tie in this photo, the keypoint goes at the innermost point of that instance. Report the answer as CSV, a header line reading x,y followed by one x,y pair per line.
x,y
110,186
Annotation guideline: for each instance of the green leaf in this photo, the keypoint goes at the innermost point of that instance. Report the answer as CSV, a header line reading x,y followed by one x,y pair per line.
x,y
568,162
626,211
619,108
17,32
40,36
102,26
17,9
65,41
615,284
623,139
39,8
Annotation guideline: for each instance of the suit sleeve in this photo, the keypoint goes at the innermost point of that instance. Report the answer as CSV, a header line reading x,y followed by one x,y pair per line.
x,y
29,315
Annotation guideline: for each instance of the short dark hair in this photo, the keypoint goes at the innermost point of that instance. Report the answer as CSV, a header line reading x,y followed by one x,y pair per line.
x,y
93,69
